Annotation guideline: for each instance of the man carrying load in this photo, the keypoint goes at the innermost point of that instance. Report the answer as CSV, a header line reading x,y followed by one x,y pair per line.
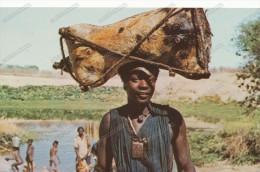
x,y
141,135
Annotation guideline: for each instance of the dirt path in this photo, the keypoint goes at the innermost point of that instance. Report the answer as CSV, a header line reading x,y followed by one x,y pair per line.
x,y
224,167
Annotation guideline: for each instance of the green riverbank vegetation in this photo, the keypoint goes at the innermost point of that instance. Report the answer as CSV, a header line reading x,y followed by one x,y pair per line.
x,y
237,140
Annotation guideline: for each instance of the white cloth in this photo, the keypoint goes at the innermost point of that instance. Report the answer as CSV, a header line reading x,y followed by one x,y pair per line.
x,y
82,146
16,141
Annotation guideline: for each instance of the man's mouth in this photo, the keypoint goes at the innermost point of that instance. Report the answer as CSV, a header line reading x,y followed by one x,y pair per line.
x,y
142,95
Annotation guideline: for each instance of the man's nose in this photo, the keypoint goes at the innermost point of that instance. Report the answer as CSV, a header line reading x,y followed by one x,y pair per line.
x,y
143,84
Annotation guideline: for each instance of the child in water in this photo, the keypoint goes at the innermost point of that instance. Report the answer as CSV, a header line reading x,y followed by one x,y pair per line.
x,y
54,155
15,156
29,155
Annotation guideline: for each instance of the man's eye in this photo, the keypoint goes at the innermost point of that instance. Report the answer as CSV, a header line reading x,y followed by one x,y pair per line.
x,y
151,80
134,79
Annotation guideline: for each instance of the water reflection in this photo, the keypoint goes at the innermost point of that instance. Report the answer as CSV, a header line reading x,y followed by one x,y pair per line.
x,y
64,132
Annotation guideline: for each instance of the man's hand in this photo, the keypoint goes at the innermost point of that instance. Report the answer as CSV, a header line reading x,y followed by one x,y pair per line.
x,y
80,159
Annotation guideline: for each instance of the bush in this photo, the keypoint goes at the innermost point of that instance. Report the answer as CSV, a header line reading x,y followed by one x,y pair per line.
x,y
243,141
238,142
206,147
214,99
243,148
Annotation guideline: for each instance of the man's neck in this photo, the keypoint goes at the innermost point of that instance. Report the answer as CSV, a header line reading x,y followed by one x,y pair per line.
x,y
134,110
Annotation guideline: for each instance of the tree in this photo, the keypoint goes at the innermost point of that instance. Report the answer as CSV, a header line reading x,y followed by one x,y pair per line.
x,y
248,44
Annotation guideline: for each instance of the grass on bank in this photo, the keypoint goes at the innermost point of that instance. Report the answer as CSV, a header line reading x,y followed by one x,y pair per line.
x,y
94,109
238,145
69,101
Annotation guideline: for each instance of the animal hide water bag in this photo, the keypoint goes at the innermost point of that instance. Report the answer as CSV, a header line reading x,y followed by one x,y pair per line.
x,y
175,39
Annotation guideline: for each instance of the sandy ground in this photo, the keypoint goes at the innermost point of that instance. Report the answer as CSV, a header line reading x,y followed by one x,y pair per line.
x,y
18,81
224,167
223,84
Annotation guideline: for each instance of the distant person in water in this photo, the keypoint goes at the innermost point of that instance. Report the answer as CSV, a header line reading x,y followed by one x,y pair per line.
x,y
18,159
29,155
54,155
82,148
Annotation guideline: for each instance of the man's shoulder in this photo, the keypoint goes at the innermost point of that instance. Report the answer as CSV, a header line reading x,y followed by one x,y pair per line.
x,y
173,115
164,110
110,117
76,138
107,114
120,108
159,106
117,110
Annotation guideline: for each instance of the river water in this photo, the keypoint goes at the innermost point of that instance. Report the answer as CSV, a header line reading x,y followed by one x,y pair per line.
x,y
47,132
64,132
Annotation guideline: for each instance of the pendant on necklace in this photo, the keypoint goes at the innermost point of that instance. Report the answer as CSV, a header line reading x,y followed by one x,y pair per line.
x,y
140,119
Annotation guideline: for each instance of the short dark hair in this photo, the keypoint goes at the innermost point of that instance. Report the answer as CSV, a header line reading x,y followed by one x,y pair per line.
x,y
55,142
30,140
124,70
80,128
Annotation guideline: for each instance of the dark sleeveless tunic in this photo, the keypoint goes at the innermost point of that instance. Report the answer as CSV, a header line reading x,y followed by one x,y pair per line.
x,y
155,129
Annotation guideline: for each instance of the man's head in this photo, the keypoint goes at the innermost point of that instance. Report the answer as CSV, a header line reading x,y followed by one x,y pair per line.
x,y
80,131
139,81
30,141
55,143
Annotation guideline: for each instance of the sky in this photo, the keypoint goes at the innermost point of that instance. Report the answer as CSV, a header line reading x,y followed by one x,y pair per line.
x,y
29,36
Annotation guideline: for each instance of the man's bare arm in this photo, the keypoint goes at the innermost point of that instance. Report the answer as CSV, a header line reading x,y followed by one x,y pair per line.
x,y
57,156
88,142
76,148
104,152
180,144
77,153
32,151
11,158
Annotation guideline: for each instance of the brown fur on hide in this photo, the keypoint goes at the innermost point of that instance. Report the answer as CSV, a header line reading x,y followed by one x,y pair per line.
x,y
176,43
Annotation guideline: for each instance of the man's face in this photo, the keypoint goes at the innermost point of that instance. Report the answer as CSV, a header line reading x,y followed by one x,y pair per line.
x,y
29,142
55,145
140,85
81,132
